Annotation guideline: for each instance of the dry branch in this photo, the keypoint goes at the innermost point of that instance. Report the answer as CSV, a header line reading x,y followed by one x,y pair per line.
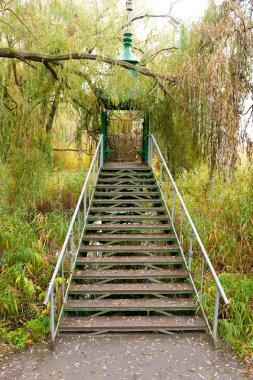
x,y
38,57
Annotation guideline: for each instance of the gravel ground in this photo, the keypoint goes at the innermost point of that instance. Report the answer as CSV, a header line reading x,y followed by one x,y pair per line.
x,y
133,356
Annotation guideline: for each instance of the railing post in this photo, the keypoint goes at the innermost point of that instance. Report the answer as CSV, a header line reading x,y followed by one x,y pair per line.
x,y
63,280
79,224
150,151
181,226
94,172
161,174
94,176
202,277
72,247
190,249
84,207
173,205
52,314
102,151
216,311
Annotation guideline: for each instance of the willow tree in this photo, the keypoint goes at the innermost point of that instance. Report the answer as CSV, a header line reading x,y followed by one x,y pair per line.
x,y
60,54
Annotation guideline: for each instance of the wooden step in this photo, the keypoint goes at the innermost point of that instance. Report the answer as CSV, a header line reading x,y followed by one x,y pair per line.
x,y
129,209
121,201
132,218
126,187
130,274
127,227
126,169
143,167
129,248
140,304
130,260
127,194
138,174
126,180
128,237
138,323
138,288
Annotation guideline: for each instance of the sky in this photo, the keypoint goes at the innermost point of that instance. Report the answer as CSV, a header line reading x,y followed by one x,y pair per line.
x,y
186,10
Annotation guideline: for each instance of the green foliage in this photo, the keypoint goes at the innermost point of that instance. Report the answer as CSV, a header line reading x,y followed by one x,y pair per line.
x,y
224,219
236,328
222,212
195,116
16,337
29,237
33,331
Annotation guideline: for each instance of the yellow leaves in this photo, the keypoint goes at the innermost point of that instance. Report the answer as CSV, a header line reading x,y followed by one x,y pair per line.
x,y
58,280
45,312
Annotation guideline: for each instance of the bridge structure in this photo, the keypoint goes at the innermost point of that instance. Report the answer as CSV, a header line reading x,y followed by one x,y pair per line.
x,y
132,259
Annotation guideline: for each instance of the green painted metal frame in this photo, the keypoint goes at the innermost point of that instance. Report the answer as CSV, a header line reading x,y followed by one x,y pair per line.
x,y
104,132
144,152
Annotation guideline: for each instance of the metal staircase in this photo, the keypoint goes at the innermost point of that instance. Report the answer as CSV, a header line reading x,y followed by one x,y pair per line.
x,y
127,261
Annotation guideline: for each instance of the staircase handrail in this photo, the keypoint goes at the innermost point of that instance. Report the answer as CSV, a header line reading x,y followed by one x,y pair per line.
x,y
219,289
97,159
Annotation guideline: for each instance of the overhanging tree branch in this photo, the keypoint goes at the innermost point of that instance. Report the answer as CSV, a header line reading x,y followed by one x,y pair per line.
x,y
38,57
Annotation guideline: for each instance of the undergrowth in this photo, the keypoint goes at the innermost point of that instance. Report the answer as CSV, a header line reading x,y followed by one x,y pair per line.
x,y
223,214
32,230
33,226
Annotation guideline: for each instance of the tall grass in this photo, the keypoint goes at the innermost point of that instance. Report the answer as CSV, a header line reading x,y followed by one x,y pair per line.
x,y
223,214
32,228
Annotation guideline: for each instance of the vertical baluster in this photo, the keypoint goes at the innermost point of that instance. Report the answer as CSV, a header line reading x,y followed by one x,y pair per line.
x,y
150,151
88,184
72,247
84,207
161,174
190,249
216,311
202,277
94,178
63,279
79,224
173,205
52,314
181,225
101,152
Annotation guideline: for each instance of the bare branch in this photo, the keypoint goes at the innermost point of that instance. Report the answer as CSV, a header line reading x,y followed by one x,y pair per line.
x,y
160,51
10,10
250,108
73,150
52,71
38,57
168,15
28,63
6,23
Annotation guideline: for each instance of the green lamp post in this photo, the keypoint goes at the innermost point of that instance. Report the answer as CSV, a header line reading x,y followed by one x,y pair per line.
x,y
127,55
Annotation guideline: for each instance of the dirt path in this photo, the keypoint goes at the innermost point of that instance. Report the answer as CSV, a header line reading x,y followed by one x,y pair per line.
x,y
124,357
